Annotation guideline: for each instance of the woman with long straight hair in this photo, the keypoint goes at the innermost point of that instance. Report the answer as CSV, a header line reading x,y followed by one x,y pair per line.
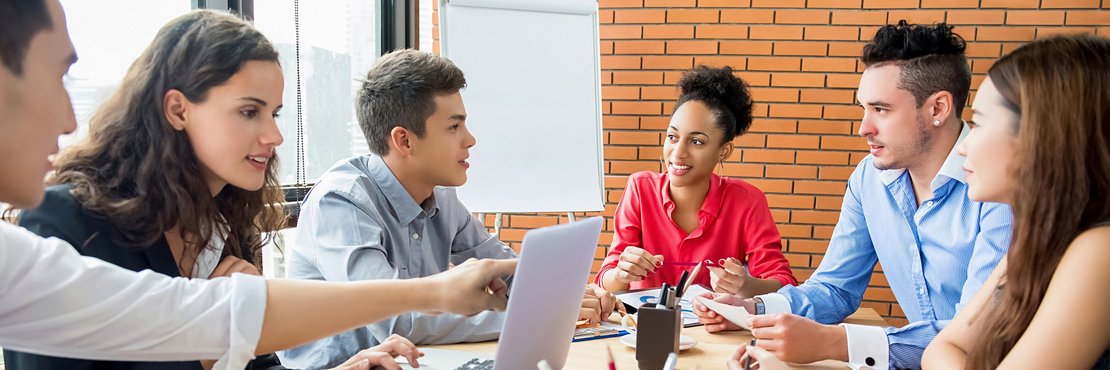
x,y
1041,143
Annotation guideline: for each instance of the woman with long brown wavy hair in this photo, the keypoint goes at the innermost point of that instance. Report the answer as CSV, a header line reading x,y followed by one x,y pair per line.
x,y
178,173
1041,142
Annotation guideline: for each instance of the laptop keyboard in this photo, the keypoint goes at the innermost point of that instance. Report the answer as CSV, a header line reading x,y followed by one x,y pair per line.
x,y
476,364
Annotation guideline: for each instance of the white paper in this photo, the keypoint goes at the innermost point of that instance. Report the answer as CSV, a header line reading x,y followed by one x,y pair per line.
x,y
737,315
638,298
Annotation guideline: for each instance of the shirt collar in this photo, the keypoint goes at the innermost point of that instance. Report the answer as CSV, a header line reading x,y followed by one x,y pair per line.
x,y
953,167
712,203
399,199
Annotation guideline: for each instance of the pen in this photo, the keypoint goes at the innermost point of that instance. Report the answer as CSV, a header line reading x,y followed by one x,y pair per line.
x,y
612,363
672,361
663,295
681,283
671,299
543,365
748,361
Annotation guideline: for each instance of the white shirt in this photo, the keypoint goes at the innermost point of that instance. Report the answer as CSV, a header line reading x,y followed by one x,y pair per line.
x,y
55,302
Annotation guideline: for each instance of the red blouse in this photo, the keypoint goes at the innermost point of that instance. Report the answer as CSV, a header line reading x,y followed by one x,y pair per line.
x,y
734,221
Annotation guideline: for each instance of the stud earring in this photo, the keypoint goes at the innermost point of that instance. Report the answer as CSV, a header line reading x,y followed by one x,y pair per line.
x,y
936,123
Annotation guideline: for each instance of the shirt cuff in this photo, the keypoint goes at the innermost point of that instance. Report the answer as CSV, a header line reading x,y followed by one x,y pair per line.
x,y
867,346
248,308
774,303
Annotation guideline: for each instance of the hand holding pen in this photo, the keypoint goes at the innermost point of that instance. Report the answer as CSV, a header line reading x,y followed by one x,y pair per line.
x,y
729,276
635,264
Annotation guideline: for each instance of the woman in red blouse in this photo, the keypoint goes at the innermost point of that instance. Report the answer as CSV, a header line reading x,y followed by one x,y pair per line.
x,y
668,222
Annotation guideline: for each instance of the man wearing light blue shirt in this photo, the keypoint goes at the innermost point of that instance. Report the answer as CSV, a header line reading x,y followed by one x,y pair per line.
x,y
905,207
393,214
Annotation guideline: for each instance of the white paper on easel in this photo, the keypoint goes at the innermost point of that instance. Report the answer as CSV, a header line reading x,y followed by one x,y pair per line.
x,y
737,315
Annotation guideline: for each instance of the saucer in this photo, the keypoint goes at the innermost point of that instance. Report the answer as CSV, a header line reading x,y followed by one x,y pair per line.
x,y
684,342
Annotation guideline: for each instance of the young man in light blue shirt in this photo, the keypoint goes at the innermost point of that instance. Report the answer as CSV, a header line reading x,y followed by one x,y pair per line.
x,y
394,215
905,207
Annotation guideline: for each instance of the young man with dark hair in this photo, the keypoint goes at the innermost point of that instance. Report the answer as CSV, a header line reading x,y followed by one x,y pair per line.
x,y
393,214
906,207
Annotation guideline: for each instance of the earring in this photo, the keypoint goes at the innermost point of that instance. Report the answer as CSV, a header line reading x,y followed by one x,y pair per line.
x,y
936,123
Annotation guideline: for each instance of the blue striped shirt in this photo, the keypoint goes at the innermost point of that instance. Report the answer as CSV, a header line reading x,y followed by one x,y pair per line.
x,y
935,256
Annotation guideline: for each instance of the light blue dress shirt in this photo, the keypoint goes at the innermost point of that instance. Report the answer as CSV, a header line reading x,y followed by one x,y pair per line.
x,y
359,223
935,256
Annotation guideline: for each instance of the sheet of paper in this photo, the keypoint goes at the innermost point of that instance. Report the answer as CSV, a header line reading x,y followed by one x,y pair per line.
x,y
638,298
605,329
737,315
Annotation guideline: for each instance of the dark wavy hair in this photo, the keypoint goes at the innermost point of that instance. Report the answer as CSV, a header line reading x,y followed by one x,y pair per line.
x,y
141,174
1059,87
931,58
726,95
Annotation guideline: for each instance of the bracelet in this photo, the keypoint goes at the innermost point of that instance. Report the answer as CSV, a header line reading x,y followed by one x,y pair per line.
x,y
759,307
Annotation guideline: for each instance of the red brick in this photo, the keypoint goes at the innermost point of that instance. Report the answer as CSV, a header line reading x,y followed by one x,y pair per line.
x,y
768,156
879,294
796,260
637,78
843,143
724,3
779,215
638,47
829,203
742,170
825,127
949,4
1050,4
721,31
822,157
829,64
795,110
605,46
603,17
775,32
668,62
693,15
835,3
791,172
669,31
748,141
620,92
1009,3
859,17
746,47
773,125
607,32
747,16
670,3
532,222
794,231
1037,17
814,217
659,92
620,3
843,112
655,123
635,137
802,17
798,80
916,16
793,141
984,50
846,49
806,48
976,17
778,3
831,33
640,16
1043,32
721,61
890,4
819,187
822,232
790,201
637,107
826,95
754,78
620,62
850,81
691,47
774,95
774,64
774,186
1004,34
630,167
619,122
1088,18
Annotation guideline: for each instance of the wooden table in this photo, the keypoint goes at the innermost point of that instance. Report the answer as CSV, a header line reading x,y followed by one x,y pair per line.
x,y
710,352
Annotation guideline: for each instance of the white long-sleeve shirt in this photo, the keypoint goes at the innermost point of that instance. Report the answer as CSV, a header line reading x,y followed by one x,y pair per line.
x,y
55,302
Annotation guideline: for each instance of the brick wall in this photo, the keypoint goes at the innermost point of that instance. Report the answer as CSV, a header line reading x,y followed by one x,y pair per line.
x,y
801,59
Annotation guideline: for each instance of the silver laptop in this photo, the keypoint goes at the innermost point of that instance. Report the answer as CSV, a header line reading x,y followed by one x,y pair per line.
x,y
543,302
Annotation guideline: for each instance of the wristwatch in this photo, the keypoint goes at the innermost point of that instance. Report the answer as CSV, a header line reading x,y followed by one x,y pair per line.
x,y
759,308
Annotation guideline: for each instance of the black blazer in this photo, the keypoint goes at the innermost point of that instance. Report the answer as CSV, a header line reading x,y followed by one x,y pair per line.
x,y
61,216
